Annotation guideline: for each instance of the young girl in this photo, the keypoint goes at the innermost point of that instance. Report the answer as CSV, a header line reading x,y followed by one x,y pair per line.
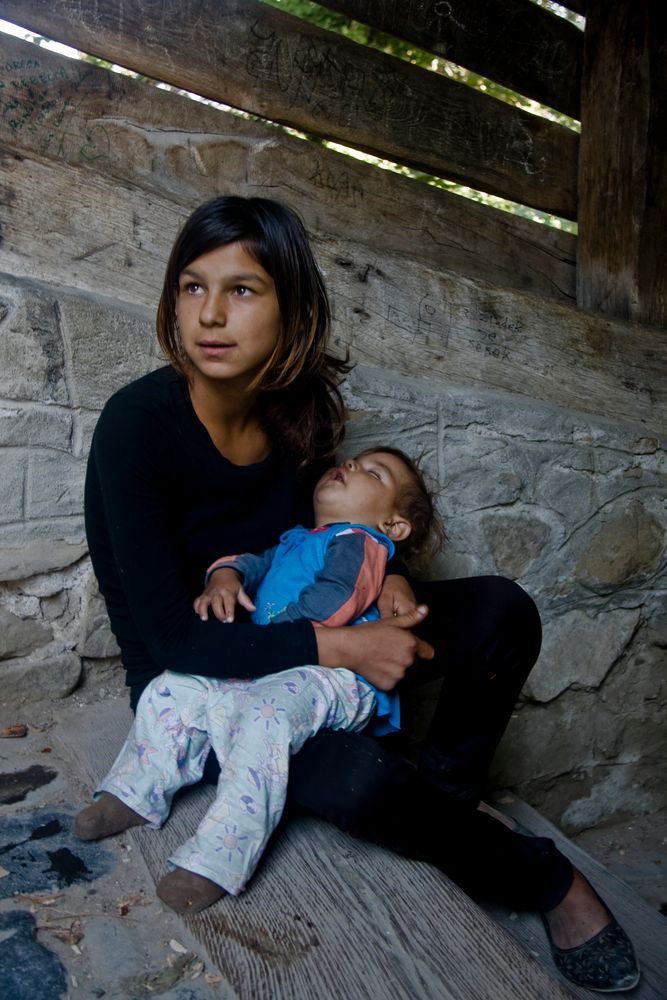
x,y
330,575
218,453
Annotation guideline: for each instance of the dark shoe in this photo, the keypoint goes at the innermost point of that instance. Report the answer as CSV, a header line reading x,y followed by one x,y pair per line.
x,y
606,962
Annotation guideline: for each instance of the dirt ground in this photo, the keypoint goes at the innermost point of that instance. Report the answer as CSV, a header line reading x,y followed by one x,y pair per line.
x,y
82,921
77,920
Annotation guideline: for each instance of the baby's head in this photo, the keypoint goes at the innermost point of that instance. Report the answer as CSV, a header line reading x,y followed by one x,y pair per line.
x,y
383,489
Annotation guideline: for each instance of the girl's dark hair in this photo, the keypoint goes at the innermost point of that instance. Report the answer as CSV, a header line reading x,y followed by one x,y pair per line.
x,y
416,502
300,402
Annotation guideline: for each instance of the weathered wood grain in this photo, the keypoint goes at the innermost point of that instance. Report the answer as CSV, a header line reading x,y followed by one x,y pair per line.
x,y
62,110
391,312
340,919
622,265
269,63
647,927
328,916
513,42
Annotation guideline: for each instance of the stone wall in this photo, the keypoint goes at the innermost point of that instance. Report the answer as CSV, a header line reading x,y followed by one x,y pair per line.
x,y
543,425
571,506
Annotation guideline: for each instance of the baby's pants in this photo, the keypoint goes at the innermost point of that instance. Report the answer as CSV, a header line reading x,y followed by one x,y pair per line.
x,y
253,726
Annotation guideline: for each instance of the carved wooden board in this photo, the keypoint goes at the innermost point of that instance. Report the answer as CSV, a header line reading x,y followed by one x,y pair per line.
x,y
66,111
78,226
521,46
277,66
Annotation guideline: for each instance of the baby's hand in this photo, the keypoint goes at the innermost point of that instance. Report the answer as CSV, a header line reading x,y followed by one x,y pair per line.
x,y
223,591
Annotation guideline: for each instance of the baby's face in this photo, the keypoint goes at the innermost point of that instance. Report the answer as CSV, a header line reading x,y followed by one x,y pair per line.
x,y
364,490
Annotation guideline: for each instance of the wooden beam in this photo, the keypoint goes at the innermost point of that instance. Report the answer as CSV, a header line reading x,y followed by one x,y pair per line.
x,y
274,65
513,42
73,226
79,114
622,264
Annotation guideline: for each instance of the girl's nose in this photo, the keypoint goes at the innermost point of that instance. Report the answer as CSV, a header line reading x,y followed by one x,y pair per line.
x,y
350,464
213,312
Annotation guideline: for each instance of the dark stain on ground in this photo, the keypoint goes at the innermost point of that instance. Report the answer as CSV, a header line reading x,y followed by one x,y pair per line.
x,y
28,970
67,867
40,854
49,829
14,786
292,944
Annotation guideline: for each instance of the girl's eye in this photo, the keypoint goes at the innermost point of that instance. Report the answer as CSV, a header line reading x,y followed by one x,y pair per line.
x,y
243,290
190,287
372,472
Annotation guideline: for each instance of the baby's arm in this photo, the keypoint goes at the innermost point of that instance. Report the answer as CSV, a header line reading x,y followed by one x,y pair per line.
x,y
228,581
347,585
222,592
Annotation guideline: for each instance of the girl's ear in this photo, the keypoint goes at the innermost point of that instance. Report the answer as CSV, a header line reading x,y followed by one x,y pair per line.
x,y
397,528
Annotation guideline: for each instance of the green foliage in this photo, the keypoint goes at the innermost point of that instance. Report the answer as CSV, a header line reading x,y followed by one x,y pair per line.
x,y
364,34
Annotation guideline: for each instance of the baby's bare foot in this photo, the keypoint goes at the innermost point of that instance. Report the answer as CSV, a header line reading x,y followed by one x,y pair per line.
x,y
187,892
107,816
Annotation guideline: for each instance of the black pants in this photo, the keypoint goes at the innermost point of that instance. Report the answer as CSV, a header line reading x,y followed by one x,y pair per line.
x,y
486,635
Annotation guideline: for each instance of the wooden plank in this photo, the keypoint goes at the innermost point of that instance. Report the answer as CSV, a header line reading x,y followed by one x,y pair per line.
x,y
388,310
56,108
646,927
274,65
513,42
326,915
622,265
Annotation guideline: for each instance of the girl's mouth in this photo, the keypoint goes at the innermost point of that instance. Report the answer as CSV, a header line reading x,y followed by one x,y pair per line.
x,y
214,350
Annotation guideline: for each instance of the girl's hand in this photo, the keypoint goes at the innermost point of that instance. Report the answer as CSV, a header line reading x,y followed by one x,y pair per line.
x,y
396,597
223,591
380,651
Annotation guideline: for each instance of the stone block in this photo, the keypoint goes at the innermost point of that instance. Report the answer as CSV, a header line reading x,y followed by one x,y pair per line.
x,y
516,540
41,555
54,485
124,346
33,679
34,425
23,534
97,639
612,790
32,360
565,490
12,484
629,544
579,649
21,636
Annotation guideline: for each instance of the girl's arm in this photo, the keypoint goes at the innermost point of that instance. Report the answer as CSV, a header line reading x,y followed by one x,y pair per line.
x,y
381,651
142,573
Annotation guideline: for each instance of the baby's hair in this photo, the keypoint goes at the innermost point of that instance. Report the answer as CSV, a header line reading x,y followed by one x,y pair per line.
x,y
416,503
300,402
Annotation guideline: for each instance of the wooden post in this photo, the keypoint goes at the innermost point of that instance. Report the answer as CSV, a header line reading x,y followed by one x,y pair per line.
x,y
622,258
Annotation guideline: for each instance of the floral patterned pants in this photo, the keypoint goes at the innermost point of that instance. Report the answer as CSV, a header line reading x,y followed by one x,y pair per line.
x,y
253,726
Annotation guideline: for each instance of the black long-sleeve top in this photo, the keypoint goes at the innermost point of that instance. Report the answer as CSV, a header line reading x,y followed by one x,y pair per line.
x,y
161,504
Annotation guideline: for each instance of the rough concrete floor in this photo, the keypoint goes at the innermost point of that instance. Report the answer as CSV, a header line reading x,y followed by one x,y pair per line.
x,y
81,921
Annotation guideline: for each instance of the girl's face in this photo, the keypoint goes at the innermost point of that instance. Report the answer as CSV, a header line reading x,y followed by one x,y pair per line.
x,y
228,315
